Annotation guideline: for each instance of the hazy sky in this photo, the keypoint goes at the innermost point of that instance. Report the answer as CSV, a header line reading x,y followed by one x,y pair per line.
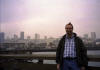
x,y
48,17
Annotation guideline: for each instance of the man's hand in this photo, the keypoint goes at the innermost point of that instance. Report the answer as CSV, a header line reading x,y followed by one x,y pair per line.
x,y
83,68
58,66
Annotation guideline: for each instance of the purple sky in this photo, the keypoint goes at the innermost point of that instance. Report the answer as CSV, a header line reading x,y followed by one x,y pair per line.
x,y
48,17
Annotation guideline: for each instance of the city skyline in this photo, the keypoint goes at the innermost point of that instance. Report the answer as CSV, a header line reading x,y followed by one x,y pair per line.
x,y
21,36
49,17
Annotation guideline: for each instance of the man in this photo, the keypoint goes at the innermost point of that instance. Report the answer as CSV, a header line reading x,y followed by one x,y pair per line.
x,y
71,53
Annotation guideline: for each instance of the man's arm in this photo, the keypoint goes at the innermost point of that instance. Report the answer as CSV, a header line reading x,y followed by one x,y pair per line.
x,y
58,52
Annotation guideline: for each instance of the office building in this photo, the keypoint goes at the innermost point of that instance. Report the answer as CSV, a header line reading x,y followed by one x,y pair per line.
x,y
37,36
22,35
2,37
93,36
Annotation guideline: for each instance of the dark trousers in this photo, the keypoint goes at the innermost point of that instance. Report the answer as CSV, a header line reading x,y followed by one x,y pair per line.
x,y
69,65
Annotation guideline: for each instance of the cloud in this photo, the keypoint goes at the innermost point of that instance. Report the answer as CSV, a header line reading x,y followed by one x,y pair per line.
x,y
50,14
17,10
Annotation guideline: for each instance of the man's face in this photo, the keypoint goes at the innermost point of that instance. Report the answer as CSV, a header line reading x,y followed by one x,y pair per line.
x,y
69,29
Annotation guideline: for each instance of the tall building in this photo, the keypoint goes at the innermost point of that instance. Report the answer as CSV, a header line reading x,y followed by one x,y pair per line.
x,y
28,37
45,37
86,36
2,37
22,35
37,36
15,37
93,36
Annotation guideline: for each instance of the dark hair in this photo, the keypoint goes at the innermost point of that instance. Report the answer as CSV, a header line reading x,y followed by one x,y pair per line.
x,y
69,24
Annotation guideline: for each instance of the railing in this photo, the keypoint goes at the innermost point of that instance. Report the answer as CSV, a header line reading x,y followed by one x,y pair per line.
x,y
20,61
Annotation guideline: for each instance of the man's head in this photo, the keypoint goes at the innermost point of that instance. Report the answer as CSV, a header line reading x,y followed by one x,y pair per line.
x,y
69,28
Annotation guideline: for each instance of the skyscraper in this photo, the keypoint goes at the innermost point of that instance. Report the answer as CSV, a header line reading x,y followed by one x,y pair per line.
x,y
15,37
86,36
37,36
22,35
2,37
45,37
93,36
28,37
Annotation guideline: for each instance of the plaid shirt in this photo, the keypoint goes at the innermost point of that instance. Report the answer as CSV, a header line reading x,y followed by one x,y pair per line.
x,y
69,49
